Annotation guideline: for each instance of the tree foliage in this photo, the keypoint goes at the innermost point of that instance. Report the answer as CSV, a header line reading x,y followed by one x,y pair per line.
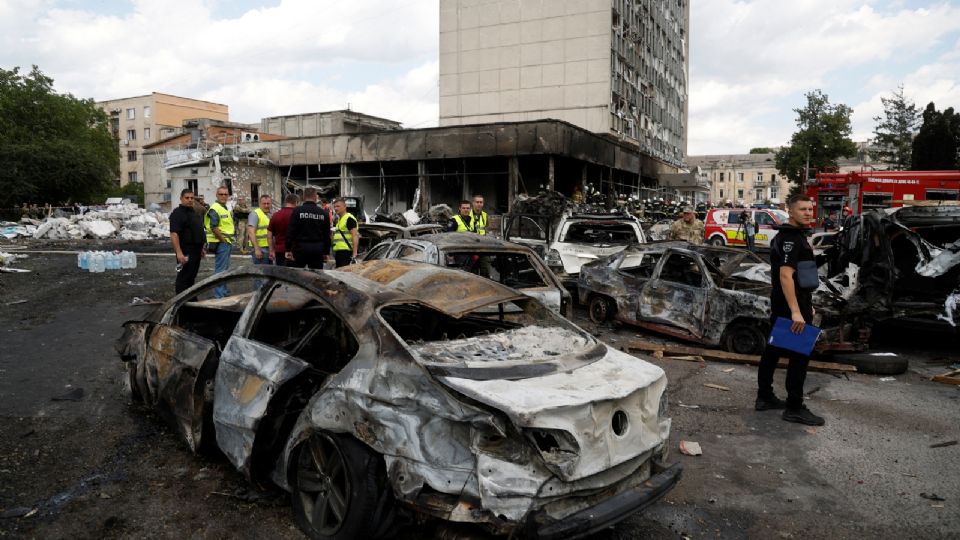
x,y
937,144
893,133
761,150
823,137
54,147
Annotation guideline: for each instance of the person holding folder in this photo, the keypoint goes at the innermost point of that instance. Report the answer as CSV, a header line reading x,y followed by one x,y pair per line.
x,y
793,276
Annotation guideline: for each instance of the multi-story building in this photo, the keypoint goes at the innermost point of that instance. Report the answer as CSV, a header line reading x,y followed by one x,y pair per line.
x,y
741,179
325,123
614,67
140,120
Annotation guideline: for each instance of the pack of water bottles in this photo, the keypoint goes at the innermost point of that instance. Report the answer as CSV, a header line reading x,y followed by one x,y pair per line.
x,y
101,261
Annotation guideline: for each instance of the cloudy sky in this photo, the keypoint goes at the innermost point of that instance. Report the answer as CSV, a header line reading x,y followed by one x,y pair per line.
x,y
751,61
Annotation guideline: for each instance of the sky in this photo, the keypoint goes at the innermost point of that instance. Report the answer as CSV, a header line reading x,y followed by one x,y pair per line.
x,y
751,61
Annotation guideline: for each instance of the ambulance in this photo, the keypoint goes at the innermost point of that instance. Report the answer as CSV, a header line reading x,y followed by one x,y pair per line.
x,y
723,226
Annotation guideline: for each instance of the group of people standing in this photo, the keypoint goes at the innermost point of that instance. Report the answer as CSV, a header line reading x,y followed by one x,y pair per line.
x,y
297,235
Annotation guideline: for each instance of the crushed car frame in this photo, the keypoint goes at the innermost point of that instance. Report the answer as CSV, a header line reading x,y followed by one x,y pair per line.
x,y
388,388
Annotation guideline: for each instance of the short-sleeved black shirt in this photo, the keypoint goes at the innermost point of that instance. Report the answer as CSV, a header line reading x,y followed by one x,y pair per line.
x,y
788,248
188,225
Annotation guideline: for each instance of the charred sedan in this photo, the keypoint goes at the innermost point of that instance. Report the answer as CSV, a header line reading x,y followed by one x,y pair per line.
x,y
394,388
699,293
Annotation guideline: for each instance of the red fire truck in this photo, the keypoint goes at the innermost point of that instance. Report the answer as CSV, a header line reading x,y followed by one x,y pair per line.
x,y
868,190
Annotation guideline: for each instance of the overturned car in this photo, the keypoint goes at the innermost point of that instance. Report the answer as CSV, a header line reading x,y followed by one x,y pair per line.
x,y
392,388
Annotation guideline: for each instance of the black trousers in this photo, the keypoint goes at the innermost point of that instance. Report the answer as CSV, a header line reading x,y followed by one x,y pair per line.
x,y
309,255
796,370
188,273
342,257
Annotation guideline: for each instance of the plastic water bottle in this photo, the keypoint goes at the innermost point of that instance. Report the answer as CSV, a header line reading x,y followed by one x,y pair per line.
x,y
114,260
124,260
97,262
133,259
84,260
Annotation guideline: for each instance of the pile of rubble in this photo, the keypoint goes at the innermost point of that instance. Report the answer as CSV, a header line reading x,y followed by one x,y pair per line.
x,y
126,222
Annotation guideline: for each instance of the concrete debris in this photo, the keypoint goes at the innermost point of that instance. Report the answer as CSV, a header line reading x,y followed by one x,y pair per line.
x,y
7,260
716,387
690,448
126,221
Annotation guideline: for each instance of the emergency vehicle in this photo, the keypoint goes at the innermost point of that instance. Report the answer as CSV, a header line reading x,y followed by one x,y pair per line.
x,y
723,227
870,190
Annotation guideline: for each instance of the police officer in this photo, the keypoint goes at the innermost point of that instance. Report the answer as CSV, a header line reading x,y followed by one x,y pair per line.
x,y
308,236
478,216
218,222
462,222
788,249
345,234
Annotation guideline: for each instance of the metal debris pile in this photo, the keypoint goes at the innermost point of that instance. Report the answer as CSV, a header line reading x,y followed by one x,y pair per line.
x,y
126,221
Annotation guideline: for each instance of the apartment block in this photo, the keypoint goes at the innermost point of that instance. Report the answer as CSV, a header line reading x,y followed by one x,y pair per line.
x,y
614,67
141,120
741,179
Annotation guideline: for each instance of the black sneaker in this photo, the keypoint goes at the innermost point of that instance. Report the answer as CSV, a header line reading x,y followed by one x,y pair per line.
x,y
768,403
803,416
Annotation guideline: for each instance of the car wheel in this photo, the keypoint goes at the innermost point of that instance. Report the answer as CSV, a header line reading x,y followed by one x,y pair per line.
x,y
339,489
745,337
874,365
717,241
601,309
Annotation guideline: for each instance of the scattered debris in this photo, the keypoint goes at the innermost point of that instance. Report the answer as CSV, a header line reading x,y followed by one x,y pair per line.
x,y
15,302
125,221
887,379
716,387
951,377
76,394
811,430
943,444
932,497
17,511
685,406
690,448
723,356
728,370
145,301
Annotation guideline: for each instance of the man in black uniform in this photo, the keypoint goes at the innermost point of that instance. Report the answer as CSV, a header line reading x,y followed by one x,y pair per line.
x,y
188,238
308,236
790,256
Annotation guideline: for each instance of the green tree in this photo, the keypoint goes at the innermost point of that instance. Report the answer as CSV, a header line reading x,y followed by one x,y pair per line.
x,y
822,138
937,143
54,147
893,133
761,150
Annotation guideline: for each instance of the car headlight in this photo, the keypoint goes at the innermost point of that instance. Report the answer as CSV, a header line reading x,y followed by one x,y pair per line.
x,y
553,258
556,446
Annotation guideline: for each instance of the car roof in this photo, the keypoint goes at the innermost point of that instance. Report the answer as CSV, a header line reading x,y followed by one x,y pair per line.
x,y
454,240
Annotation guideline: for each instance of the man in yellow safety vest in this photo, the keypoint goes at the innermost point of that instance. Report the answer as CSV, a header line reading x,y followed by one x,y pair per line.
x,y
257,223
218,224
478,215
462,222
346,234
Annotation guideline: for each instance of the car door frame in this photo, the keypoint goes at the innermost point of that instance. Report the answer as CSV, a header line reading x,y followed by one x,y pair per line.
x,y
659,297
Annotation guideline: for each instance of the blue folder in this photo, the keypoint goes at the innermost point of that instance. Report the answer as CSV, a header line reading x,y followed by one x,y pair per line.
x,y
781,336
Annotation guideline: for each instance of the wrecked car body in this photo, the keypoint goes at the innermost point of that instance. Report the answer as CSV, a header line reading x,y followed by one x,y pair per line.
x,y
703,294
375,233
388,387
511,264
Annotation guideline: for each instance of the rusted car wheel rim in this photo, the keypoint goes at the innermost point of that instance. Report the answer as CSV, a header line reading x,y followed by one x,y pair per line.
x,y
323,485
599,309
745,339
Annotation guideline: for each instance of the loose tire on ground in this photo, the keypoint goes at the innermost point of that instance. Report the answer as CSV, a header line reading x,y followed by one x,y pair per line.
x,y
339,489
601,309
874,365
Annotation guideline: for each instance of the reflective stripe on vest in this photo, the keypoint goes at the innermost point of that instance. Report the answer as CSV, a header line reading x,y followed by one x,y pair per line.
x,y
461,226
341,235
263,220
226,223
480,222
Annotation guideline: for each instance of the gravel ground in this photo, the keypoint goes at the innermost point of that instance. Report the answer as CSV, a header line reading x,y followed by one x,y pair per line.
x,y
79,460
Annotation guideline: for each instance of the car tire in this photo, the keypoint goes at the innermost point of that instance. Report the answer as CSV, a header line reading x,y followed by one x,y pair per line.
x,y
335,474
601,309
745,337
874,365
716,241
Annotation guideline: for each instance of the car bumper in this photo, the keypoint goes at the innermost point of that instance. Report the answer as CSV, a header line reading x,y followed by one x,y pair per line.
x,y
609,511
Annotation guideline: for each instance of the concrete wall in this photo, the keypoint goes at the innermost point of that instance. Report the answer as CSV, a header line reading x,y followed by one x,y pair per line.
x,y
325,123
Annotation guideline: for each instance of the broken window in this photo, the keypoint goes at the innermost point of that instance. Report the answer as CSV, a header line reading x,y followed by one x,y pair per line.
x,y
640,264
254,193
299,323
215,318
410,253
511,269
378,252
680,268
417,323
600,233
526,227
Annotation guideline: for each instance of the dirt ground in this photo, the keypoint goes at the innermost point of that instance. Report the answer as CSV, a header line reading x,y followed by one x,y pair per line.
x,y
79,460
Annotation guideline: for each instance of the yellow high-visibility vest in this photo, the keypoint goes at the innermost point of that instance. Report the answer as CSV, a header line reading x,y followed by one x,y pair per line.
x,y
461,226
342,234
479,222
263,220
226,223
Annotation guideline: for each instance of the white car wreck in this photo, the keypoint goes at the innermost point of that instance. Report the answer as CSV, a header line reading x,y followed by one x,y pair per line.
x,y
393,387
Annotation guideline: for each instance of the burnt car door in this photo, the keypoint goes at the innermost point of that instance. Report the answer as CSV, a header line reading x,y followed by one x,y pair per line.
x,y
182,352
634,270
676,294
283,351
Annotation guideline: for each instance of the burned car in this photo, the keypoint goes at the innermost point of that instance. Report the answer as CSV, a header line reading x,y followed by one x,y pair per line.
x,y
388,388
374,233
697,293
513,265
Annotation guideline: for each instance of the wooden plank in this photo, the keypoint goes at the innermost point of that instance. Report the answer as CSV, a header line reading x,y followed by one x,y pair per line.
x,y
952,377
724,356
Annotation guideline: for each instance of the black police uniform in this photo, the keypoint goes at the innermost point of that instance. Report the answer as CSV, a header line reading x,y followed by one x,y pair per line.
x,y
788,248
188,225
308,235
